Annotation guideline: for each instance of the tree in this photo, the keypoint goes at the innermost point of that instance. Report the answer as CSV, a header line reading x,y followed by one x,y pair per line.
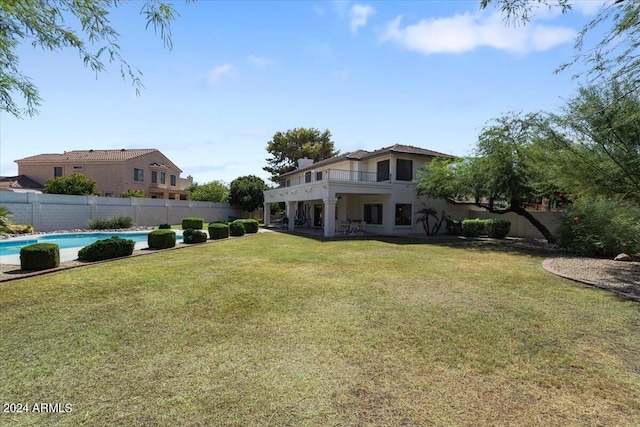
x,y
246,192
596,144
615,57
133,193
286,148
50,25
74,184
214,191
502,177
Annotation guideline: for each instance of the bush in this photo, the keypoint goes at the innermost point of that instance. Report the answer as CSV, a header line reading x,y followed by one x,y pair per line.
x,y
194,236
472,227
453,226
236,228
111,223
218,231
192,222
113,247
250,225
164,227
599,227
497,228
161,239
40,256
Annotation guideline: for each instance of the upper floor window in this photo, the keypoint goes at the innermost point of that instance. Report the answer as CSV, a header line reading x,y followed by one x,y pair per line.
x,y
163,177
383,171
307,177
154,177
57,171
78,167
319,176
172,180
138,175
404,170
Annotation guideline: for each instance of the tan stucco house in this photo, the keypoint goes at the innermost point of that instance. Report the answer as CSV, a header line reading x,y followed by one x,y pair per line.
x,y
115,171
374,189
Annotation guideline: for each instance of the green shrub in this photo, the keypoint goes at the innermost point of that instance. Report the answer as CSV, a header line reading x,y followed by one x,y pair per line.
x,y
194,236
453,226
218,231
40,256
236,228
472,227
250,225
192,222
220,221
599,227
497,228
164,227
161,239
111,223
113,247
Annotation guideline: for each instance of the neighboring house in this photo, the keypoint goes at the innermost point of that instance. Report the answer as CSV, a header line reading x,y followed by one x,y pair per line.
x,y
115,171
20,184
372,186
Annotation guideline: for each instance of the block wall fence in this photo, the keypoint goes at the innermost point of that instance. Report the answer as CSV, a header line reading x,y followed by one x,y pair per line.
x,y
50,212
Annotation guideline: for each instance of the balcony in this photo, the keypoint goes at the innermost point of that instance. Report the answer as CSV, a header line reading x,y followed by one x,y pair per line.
x,y
335,175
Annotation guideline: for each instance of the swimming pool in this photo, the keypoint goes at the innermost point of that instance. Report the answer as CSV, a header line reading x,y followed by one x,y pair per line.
x,y
68,240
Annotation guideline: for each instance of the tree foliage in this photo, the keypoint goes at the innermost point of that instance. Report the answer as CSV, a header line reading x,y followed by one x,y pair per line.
x,y
214,191
246,192
134,193
503,176
287,147
74,184
57,24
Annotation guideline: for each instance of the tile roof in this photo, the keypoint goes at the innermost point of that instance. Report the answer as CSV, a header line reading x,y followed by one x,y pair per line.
x,y
364,154
89,155
20,181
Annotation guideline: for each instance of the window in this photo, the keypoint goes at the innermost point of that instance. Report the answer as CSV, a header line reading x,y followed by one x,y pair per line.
x,y
78,167
163,177
154,177
404,170
383,171
138,175
373,213
307,177
403,214
173,180
319,176
57,171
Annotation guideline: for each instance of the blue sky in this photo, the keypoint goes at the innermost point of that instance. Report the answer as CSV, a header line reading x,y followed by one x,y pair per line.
x,y
377,73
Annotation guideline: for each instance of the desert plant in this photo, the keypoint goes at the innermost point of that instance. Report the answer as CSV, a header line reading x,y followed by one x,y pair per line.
x,y
161,239
192,222
113,247
497,228
111,223
426,213
236,228
194,236
472,227
40,256
218,231
600,227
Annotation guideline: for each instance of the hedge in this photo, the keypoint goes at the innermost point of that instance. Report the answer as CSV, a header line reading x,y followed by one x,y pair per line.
x,y
161,239
218,231
192,222
113,247
40,256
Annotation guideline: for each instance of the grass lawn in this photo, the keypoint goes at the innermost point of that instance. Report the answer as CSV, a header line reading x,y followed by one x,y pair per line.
x,y
279,330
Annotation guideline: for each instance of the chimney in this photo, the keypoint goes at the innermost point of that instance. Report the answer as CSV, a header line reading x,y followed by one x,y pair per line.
x,y
304,162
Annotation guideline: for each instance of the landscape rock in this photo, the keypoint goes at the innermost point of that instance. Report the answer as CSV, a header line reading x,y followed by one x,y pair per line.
x,y
622,257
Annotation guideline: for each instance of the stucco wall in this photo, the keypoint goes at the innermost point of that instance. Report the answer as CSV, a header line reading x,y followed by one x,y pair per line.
x,y
50,212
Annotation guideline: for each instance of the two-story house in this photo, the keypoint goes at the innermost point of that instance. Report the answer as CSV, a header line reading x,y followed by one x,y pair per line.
x,y
115,171
375,188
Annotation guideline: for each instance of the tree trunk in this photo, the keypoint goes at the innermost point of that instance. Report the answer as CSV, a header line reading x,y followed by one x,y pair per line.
x,y
519,210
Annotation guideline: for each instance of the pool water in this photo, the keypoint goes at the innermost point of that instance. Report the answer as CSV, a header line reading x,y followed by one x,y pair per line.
x,y
68,240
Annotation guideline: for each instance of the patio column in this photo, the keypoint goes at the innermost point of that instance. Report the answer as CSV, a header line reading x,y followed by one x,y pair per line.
x,y
330,217
267,214
291,214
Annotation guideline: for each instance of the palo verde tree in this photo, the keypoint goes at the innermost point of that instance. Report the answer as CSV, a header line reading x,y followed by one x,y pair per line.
x,y
57,24
246,192
287,147
74,184
502,177
214,191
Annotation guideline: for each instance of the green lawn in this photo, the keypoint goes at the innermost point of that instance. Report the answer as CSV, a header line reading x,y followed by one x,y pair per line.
x,y
279,330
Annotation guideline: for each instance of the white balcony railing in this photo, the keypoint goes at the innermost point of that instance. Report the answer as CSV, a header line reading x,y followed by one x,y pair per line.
x,y
336,175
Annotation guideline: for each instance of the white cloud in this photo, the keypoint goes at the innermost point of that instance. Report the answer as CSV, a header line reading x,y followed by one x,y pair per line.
x,y
259,61
588,7
466,32
218,73
359,15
